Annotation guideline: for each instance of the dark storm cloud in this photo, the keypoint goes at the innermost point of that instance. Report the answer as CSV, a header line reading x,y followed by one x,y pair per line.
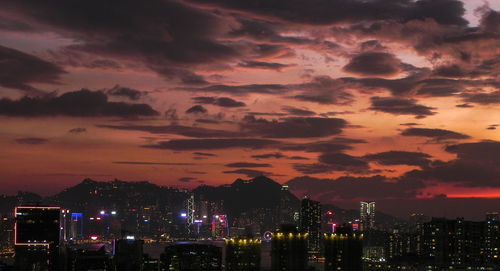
x,y
81,103
31,140
219,101
298,111
338,11
168,37
246,165
399,158
249,172
213,144
374,187
77,130
293,127
398,106
437,134
19,70
141,163
373,64
130,93
264,65
197,109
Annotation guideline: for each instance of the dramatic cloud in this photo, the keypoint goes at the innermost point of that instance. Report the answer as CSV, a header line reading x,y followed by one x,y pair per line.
x,y
19,70
246,165
264,65
437,134
197,109
31,140
374,187
374,63
483,98
130,93
213,144
189,131
476,166
151,163
167,37
298,111
293,127
77,130
186,179
81,103
204,154
397,106
400,158
324,90
243,90
250,173
337,11
276,155
219,101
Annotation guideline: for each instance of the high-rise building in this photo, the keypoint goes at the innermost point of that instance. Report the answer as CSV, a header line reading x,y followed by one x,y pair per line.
x,y
289,250
492,237
37,235
192,256
453,242
343,251
243,254
220,226
367,216
310,223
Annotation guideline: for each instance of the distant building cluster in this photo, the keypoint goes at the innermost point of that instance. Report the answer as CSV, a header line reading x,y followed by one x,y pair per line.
x,y
207,231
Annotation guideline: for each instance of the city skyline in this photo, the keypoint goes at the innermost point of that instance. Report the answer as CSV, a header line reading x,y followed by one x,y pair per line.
x,y
388,101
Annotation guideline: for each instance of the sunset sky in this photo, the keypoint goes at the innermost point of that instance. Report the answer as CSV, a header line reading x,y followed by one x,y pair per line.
x,y
389,100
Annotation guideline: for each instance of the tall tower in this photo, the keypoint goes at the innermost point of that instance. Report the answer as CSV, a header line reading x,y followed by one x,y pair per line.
x,y
310,223
367,215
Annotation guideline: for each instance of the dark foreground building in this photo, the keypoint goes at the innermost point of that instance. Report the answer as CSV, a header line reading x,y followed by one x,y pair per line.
x,y
343,251
289,250
37,238
243,255
191,257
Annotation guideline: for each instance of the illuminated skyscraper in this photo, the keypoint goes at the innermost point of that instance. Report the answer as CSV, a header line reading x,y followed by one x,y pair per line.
x,y
220,226
37,231
367,215
310,223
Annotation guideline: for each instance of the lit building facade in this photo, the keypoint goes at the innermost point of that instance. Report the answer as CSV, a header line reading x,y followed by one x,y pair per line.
x,y
367,216
310,223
